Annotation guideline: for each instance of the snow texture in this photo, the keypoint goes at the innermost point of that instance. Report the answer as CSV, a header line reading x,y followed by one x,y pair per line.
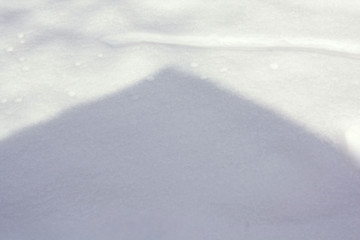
x,y
160,119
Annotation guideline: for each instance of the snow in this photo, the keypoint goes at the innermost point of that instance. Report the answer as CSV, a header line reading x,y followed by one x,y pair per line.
x,y
352,136
160,119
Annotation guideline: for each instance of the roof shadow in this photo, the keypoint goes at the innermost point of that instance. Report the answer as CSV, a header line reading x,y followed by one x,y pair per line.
x,y
174,158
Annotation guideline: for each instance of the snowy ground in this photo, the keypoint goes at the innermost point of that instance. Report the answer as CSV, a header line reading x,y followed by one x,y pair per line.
x,y
160,119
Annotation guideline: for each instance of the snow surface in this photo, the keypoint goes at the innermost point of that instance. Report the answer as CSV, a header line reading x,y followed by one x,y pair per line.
x,y
186,119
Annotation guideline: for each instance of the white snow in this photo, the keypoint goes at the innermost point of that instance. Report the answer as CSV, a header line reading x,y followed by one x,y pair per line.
x,y
274,66
352,136
165,119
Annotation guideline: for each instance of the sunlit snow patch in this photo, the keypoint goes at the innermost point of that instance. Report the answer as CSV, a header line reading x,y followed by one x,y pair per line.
x,y
352,137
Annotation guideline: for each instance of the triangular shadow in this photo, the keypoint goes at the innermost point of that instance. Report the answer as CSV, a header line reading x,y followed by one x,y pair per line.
x,y
172,158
